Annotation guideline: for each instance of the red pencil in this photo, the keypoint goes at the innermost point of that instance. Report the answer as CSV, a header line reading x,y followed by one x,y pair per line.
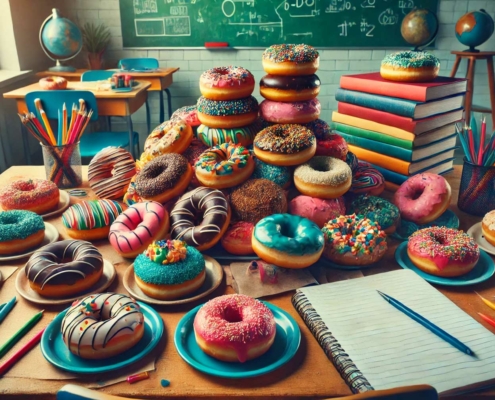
x,y
482,141
487,319
20,353
471,146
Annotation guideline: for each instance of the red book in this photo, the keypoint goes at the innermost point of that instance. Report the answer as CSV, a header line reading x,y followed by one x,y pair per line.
x,y
373,83
415,126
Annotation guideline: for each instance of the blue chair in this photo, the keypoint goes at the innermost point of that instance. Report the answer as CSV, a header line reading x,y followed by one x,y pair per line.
x,y
91,143
96,75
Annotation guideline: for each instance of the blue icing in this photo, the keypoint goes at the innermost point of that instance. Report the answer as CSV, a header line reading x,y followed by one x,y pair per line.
x,y
274,173
289,234
19,224
170,274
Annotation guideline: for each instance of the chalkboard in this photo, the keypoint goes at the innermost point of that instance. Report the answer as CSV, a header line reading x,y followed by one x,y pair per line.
x,y
261,23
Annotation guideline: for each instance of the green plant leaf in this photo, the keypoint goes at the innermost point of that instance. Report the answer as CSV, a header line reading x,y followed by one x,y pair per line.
x,y
96,38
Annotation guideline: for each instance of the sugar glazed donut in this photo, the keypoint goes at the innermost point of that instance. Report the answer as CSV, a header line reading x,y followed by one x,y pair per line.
x,y
137,227
20,230
234,328
36,195
169,269
289,88
226,83
164,178
367,180
237,239
288,241
291,59
298,112
423,198
102,325
65,268
227,114
202,204
215,136
53,83
354,240
377,209
110,172
224,166
320,211
443,251
323,177
488,227
410,66
285,145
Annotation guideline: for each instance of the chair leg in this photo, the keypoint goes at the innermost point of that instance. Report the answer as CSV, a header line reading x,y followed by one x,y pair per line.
x,y
131,135
162,109
148,122
169,103
109,123
25,144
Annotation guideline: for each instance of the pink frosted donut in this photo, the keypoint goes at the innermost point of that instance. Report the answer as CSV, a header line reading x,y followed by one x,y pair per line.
x,y
234,328
226,83
298,112
423,198
188,114
320,211
137,227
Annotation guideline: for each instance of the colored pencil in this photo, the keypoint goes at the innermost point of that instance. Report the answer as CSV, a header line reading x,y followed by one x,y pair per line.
x,y
20,333
48,128
491,321
2,306
59,128
482,141
64,123
489,303
7,308
21,352
72,120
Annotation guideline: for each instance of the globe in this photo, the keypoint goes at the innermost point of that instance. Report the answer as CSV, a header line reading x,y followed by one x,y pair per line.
x,y
60,39
419,27
474,28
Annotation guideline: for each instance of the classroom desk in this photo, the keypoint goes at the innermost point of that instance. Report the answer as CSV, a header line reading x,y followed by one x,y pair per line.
x,y
308,375
110,103
160,82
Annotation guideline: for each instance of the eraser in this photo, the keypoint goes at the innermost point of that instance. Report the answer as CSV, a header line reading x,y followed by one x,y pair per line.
x,y
216,44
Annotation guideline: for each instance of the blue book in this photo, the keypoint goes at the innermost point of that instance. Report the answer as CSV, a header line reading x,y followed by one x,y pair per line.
x,y
441,168
394,105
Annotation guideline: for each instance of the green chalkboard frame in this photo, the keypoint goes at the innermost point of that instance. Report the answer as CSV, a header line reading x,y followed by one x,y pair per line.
x,y
261,23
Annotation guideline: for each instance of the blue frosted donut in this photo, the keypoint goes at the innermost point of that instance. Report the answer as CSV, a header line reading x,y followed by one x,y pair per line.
x,y
376,209
282,176
19,224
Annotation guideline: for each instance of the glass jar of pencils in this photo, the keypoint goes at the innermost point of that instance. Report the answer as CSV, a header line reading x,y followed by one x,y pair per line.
x,y
477,189
63,164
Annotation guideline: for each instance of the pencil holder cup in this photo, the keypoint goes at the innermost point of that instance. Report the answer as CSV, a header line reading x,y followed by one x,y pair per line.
x,y
63,165
477,189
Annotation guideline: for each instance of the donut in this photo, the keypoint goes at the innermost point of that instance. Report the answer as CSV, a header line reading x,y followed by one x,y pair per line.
x,y
53,83
226,83
102,325
376,209
443,251
187,114
367,180
65,268
131,197
237,239
215,136
224,166
354,240
488,227
288,241
423,198
410,66
320,211
297,112
282,176
91,219
285,145
202,204
328,143
227,114
169,269
192,153
110,172
352,161
290,88
234,328
291,59
257,199
137,227
20,230
323,177
164,178
36,195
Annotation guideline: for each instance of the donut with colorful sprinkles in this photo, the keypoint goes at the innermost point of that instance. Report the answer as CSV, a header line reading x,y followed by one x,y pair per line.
x,y
377,209
226,83
214,136
227,114
410,66
20,230
291,59
36,195
187,114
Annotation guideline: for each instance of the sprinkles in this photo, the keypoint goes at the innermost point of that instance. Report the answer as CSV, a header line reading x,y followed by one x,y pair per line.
x,y
287,139
19,224
227,107
411,59
322,170
227,75
296,53
224,159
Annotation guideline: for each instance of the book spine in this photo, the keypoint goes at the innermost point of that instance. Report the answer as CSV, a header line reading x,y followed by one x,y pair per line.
x,y
391,176
385,118
390,163
335,353
391,89
371,135
392,105
379,147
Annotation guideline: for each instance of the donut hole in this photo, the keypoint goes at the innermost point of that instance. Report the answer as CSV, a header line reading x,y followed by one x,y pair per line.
x,y
232,315
286,231
152,173
417,193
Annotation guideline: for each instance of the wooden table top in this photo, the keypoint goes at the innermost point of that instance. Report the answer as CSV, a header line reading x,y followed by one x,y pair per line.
x,y
308,375
160,72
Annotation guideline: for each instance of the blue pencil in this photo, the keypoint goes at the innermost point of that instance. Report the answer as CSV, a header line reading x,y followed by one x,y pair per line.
x,y
6,308
429,325
59,133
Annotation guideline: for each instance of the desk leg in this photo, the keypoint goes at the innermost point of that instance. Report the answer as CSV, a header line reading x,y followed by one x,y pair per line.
x,y
25,144
169,102
148,123
162,109
491,83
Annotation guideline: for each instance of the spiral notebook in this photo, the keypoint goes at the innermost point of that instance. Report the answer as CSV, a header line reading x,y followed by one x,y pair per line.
x,y
375,346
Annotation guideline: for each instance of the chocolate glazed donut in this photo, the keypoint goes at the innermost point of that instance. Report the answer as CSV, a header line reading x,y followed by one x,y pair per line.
x,y
211,205
286,82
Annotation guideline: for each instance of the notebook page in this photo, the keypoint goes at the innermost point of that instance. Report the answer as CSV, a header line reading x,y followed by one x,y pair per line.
x,y
391,349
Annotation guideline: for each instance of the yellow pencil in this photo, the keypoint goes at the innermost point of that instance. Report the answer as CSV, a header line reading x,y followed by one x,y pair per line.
x,y
64,124
489,303
48,128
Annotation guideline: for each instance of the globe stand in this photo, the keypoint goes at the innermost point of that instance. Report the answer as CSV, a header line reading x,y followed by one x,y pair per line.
x,y
61,68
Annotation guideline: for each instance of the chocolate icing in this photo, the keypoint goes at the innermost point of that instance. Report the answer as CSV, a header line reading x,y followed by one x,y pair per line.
x,y
286,82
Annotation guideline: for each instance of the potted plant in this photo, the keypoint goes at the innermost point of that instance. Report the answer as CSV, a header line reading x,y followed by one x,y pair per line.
x,y
96,39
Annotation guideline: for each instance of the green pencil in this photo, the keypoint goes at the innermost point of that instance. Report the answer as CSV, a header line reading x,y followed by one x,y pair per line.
x,y
20,333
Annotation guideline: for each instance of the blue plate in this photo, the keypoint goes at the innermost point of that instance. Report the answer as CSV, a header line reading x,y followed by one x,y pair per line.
x,y
284,347
480,273
57,353
406,228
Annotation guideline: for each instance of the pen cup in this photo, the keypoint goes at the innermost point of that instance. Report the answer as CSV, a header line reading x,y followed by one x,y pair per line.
x,y
63,164
477,189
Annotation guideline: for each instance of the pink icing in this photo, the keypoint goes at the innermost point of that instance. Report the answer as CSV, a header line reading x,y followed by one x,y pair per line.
x,y
136,226
226,77
276,111
320,211
417,197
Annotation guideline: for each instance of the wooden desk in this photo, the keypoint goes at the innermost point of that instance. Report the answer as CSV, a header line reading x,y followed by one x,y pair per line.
x,y
308,375
110,103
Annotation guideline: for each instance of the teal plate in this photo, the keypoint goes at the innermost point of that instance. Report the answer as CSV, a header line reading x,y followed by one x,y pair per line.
x,y
482,271
284,347
57,353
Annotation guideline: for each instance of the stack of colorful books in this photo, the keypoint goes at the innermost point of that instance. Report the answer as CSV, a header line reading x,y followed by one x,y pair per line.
x,y
400,128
